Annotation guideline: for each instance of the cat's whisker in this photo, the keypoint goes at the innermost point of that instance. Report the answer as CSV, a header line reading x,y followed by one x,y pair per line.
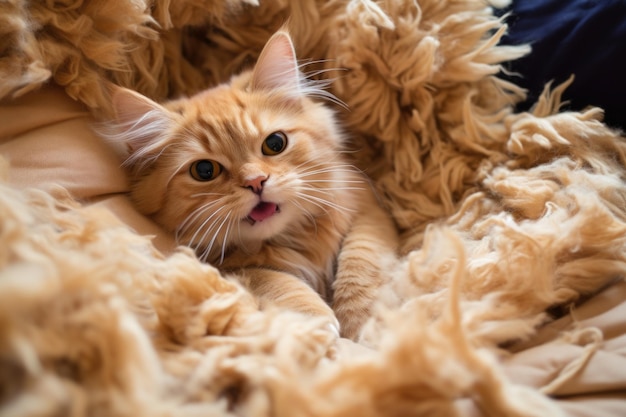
x,y
332,220
204,256
216,234
193,216
205,236
322,94
225,239
306,62
328,163
207,205
305,198
326,171
336,186
189,220
327,157
320,202
207,195
330,203
306,212
308,186
317,88
333,190
334,181
328,160
311,190
338,170
208,219
315,73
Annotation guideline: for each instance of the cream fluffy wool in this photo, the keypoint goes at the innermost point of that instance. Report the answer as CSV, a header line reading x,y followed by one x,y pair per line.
x,y
502,216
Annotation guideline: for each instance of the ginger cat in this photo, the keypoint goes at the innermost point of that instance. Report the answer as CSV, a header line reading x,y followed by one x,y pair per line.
x,y
253,176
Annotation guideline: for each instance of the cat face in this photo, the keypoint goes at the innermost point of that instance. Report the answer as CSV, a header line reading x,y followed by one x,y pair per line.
x,y
238,164
250,169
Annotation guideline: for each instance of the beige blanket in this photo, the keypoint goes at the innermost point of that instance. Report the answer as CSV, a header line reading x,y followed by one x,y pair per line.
x,y
509,298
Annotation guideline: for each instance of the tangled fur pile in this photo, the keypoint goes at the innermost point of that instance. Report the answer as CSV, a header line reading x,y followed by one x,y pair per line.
x,y
501,215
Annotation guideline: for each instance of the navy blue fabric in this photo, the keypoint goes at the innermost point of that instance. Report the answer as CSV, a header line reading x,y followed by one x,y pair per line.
x,y
583,37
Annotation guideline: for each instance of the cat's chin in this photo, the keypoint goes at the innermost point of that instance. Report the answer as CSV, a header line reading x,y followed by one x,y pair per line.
x,y
256,230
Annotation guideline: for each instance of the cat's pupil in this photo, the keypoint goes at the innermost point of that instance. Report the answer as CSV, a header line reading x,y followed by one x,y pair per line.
x,y
274,143
204,170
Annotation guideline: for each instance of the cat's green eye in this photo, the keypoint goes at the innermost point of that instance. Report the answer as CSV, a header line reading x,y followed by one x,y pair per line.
x,y
274,144
205,170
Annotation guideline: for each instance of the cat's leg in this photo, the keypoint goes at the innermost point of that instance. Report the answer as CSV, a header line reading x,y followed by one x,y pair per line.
x,y
367,253
286,291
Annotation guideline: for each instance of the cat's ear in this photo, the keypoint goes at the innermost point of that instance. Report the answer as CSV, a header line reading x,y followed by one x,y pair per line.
x,y
277,67
140,122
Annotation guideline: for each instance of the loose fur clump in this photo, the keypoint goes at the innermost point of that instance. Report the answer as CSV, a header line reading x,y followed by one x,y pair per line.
x,y
542,230
78,336
249,174
424,104
79,44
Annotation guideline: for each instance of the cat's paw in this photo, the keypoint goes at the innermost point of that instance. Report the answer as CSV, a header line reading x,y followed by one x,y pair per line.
x,y
351,324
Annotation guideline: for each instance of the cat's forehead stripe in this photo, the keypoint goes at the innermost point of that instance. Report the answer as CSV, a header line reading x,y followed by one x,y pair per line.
x,y
222,137
239,125
215,134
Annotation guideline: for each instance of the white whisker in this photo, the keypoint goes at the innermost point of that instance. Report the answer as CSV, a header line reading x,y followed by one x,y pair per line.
x,y
332,190
342,188
329,167
311,190
230,222
335,181
306,62
313,199
310,185
217,232
305,198
206,195
327,157
193,216
306,213
193,238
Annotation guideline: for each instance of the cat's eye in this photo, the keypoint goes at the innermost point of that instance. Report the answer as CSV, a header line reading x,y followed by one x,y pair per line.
x,y
274,144
205,170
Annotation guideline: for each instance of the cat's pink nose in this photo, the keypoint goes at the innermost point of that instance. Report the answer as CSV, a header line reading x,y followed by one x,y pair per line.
x,y
256,184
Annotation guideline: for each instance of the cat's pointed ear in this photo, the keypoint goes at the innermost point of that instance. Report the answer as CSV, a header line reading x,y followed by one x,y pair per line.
x,y
277,67
140,122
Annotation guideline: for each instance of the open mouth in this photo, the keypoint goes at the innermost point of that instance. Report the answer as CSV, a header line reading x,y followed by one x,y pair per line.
x,y
262,211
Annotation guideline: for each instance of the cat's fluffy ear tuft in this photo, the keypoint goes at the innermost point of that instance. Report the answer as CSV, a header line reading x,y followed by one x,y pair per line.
x,y
277,67
139,121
